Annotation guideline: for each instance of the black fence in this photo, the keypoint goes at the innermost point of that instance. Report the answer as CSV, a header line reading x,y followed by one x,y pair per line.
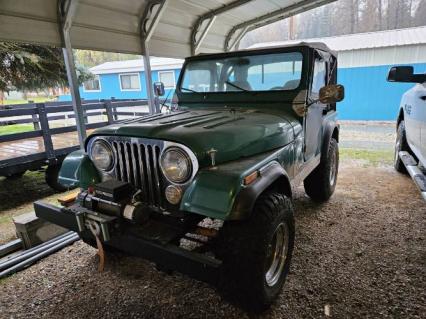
x,y
41,114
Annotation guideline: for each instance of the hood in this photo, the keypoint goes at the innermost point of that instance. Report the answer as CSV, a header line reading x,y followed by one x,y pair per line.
x,y
232,133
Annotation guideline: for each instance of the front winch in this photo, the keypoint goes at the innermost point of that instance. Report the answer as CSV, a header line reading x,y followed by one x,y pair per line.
x,y
115,198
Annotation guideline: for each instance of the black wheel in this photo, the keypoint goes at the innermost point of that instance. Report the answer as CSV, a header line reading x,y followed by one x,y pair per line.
x,y
15,175
321,183
256,253
51,177
401,144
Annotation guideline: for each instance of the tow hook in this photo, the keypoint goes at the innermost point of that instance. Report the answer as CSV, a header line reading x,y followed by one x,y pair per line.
x,y
96,231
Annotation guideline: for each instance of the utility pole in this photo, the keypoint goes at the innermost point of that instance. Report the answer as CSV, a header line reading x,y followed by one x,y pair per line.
x,y
292,28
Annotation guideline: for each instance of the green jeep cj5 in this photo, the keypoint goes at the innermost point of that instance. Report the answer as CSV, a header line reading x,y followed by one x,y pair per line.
x,y
206,187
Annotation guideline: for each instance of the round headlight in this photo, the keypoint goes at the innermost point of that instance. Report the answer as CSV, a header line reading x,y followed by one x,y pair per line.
x,y
176,165
101,155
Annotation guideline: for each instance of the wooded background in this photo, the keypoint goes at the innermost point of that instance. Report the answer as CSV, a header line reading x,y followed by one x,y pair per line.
x,y
343,17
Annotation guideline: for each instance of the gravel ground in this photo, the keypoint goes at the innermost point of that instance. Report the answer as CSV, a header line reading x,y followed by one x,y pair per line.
x,y
361,255
367,135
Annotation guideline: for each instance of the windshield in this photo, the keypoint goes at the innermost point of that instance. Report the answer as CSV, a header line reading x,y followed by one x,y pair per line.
x,y
265,72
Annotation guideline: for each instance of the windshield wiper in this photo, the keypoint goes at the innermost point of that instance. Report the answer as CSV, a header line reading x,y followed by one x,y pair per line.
x,y
189,90
237,87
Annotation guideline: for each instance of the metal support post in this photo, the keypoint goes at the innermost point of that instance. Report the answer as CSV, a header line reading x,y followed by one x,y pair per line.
x,y
66,11
148,78
150,18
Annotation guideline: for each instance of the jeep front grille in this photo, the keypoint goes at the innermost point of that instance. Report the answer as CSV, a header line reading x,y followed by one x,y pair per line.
x,y
137,163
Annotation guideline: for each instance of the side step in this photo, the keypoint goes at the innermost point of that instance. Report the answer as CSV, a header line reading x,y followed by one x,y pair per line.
x,y
416,174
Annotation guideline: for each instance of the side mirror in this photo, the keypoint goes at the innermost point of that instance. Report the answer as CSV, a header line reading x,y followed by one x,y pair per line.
x,y
400,74
159,88
405,74
331,93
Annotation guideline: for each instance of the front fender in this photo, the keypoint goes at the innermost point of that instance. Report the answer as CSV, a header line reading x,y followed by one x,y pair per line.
x,y
330,127
219,192
77,170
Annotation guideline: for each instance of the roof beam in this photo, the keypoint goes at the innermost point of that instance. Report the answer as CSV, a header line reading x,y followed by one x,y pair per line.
x,y
211,16
269,18
150,18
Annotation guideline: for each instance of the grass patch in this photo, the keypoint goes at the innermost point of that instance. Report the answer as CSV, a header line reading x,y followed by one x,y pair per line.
x,y
40,99
5,219
15,128
372,157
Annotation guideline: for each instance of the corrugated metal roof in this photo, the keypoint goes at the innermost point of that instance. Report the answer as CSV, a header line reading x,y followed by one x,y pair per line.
x,y
136,65
368,40
114,25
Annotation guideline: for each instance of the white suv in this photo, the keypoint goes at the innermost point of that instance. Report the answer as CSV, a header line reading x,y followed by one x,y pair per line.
x,y
410,146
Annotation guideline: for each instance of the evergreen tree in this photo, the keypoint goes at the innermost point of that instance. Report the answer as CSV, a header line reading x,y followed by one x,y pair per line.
x,y
29,67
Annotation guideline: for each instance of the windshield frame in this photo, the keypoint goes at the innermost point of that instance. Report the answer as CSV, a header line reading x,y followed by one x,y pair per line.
x,y
227,94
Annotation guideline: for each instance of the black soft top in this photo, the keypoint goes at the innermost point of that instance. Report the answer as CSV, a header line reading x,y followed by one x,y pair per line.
x,y
312,45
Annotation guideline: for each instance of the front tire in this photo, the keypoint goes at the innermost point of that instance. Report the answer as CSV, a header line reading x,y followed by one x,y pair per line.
x,y
321,183
401,144
256,253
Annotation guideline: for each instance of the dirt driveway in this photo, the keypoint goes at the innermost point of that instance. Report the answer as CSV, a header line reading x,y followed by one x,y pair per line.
x,y
361,255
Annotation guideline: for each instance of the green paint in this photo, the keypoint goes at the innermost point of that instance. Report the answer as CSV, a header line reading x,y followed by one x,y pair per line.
x,y
213,191
78,171
244,131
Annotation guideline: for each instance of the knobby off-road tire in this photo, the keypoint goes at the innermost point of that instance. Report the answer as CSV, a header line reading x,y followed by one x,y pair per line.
x,y
51,177
321,183
252,276
401,144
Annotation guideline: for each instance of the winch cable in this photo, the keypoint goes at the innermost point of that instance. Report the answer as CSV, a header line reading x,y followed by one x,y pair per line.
x,y
96,231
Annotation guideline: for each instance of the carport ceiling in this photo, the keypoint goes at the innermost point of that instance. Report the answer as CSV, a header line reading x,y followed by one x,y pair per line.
x,y
114,25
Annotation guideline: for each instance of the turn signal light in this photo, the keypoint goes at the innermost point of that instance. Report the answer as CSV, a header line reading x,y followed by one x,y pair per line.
x,y
251,178
173,194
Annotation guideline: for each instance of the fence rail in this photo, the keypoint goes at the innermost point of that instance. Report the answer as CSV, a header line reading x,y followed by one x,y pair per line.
x,y
41,114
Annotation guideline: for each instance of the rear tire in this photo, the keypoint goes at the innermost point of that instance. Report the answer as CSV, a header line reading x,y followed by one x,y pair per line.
x,y
321,183
51,177
401,144
256,253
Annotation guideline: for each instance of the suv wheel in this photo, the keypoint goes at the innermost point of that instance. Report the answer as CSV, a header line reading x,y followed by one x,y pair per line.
x,y
51,177
400,145
321,183
256,253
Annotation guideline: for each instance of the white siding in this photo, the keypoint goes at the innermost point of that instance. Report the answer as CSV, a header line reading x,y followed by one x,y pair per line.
x,y
383,56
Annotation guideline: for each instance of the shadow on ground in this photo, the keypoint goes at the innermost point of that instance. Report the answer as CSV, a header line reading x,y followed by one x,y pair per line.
x,y
20,191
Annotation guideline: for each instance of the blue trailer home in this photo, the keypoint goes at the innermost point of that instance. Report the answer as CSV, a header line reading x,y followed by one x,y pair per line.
x,y
126,79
